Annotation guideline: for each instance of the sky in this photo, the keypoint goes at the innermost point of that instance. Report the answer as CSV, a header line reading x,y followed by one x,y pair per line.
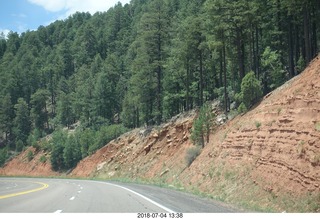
x,y
22,15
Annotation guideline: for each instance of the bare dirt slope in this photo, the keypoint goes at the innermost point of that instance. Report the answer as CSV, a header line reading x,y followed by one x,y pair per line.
x,y
142,153
267,159
273,151
22,166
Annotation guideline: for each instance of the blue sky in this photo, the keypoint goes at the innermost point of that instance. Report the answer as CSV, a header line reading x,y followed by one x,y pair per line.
x,y
22,15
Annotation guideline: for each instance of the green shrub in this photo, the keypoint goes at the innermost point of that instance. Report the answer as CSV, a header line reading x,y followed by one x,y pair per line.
x,y
202,126
57,144
105,135
68,149
3,156
258,124
273,68
71,152
43,159
34,137
242,108
30,155
86,139
251,90
19,146
197,133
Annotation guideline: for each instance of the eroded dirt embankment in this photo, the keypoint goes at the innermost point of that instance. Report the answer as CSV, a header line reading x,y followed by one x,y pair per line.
x,y
269,153
272,152
22,165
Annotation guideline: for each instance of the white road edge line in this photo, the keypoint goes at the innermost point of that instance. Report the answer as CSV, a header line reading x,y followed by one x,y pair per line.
x,y
148,199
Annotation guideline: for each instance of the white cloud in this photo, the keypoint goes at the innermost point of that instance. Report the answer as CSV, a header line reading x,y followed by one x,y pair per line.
x,y
72,6
50,5
5,33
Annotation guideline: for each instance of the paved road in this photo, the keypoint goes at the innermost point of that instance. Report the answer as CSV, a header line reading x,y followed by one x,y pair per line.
x,y
32,195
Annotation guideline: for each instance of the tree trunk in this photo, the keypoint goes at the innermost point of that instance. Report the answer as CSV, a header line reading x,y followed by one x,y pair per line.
x,y
257,53
291,50
202,139
225,77
221,69
253,50
314,36
306,28
297,43
187,87
159,74
240,48
201,78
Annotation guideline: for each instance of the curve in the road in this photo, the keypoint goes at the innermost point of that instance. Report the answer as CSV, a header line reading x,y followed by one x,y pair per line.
x,y
91,196
43,186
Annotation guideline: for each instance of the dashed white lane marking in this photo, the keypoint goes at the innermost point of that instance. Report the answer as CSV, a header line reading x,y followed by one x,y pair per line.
x,y
72,198
79,191
58,211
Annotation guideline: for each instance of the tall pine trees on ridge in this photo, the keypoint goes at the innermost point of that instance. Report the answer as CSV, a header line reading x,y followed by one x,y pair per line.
x,y
148,63
144,62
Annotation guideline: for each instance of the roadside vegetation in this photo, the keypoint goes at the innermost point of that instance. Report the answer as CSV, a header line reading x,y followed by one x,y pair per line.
x,y
68,148
201,129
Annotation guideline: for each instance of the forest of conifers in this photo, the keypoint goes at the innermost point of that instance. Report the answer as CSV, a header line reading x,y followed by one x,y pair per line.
x,y
142,63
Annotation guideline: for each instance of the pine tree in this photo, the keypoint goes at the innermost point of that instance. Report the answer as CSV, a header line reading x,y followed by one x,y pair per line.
x,y
3,156
103,96
6,116
39,111
251,90
22,121
202,125
65,111
148,64
186,71
71,152
57,147
13,42
65,58
274,74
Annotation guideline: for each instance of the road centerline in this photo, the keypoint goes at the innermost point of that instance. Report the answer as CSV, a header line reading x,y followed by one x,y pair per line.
x,y
44,186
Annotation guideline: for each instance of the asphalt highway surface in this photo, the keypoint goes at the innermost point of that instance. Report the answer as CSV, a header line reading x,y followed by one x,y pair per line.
x,y
39,195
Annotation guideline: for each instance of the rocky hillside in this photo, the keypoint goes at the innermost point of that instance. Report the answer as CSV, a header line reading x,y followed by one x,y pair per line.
x,y
270,154
37,164
267,159
143,153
